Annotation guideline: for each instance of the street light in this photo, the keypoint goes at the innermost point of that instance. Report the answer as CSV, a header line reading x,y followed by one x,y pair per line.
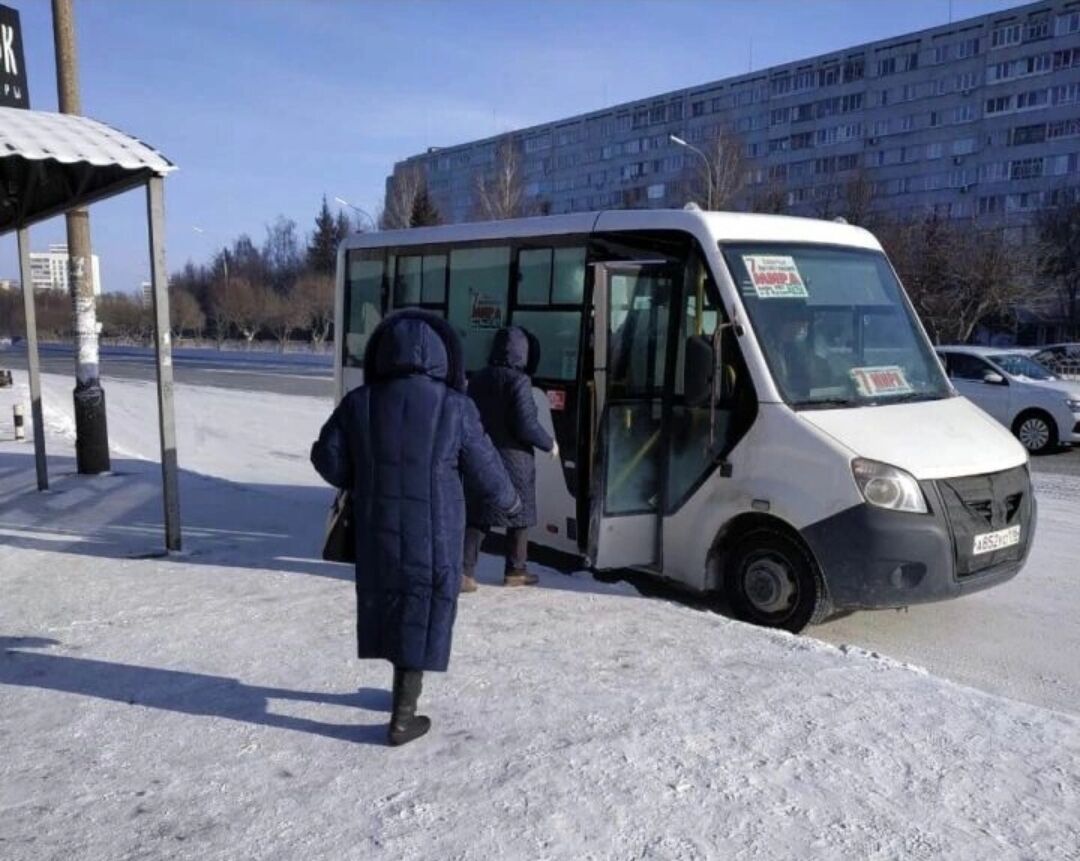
x,y
357,210
675,139
224,255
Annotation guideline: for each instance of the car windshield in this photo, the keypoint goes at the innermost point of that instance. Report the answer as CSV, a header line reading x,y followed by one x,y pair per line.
x,y
1019,365
835,326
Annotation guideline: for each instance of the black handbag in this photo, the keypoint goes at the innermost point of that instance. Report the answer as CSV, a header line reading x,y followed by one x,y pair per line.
x,y
340,542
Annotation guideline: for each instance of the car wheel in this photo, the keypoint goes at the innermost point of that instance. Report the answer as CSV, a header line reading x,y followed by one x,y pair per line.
x,y
1036,431
770,580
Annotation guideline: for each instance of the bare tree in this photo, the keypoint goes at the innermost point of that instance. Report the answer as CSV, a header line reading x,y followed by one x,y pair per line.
x,y
959,275
284,315
1059,252
186,314
859,193
726,167
771,198
315,295
125,317
242,307
402,190
500,192
218,310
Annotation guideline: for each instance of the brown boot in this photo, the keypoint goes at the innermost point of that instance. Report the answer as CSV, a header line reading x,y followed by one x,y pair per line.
x,y
519,577
468,584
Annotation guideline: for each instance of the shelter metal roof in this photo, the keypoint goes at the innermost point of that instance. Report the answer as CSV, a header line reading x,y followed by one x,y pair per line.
x,y
50,163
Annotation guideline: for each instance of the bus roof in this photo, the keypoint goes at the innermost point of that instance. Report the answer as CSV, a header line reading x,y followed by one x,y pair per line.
x,y
722,226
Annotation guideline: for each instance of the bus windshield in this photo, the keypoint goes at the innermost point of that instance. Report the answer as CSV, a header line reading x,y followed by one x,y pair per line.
x,y
834,325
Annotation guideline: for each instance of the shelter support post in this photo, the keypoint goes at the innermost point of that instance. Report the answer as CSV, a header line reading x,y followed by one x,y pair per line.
x,y
155,204
32,365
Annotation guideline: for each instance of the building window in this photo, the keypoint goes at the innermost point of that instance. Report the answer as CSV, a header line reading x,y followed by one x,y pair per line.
x,y
1008,34
1026,168
941,54
778,116
1032,99
854,69
963,113
967,48
1028,135
886,67
1065,94
1063,129
697,109
998,105
655,191
907,123
1067,23
1037,27
963,146
934,150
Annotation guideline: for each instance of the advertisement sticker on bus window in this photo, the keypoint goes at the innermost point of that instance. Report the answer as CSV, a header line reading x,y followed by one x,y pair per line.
x,y
774,276
884,380
486,312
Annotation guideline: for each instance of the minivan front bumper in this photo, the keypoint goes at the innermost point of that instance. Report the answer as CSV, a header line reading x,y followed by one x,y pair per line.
x,y
874,558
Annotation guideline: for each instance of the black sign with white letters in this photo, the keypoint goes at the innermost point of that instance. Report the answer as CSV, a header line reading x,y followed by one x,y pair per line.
x,y
13,90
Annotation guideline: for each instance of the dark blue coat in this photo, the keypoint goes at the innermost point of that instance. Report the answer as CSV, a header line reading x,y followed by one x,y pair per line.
x,y
503,394
402,443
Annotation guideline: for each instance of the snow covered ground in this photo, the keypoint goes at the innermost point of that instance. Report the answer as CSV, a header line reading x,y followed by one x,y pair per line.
x,y
208,706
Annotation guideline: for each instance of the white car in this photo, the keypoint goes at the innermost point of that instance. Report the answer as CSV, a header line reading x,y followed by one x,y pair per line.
x,y
1040,408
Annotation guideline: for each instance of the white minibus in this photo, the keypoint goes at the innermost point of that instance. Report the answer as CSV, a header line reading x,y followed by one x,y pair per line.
x,y
745,405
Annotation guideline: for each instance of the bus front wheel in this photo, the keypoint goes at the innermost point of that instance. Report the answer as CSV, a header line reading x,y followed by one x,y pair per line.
x,y
770,580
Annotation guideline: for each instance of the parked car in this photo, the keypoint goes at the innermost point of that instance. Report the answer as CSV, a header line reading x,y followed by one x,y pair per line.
x,y
1062,360
1042,410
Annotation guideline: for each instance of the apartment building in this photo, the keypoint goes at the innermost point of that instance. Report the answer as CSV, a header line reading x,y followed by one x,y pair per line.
x,y
49,269
978,118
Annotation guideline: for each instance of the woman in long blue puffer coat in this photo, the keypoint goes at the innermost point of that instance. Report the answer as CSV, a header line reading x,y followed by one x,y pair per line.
x,y
402,444
503,394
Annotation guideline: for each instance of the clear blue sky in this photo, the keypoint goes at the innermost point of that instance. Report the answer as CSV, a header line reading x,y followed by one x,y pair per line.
x,y
267,104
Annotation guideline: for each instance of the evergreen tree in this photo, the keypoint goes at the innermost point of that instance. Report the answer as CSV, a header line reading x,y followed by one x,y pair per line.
x,y
424,213
322,247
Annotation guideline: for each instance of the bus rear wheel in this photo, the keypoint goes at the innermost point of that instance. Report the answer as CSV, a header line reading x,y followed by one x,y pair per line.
x,y
770,580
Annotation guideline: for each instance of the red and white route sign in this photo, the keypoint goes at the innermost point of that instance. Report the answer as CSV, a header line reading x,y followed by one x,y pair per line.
x,y
775,276
885,380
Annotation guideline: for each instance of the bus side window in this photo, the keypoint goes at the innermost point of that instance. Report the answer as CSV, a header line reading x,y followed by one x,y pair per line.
x,y
551,287
479,299
363,301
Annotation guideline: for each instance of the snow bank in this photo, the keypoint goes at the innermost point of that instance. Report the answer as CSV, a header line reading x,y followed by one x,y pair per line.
x,y
208,706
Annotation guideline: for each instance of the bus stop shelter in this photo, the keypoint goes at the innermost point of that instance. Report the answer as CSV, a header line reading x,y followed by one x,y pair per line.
x,y
51,163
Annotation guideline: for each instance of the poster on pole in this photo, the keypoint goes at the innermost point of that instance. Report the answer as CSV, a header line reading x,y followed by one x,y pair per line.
x,y
13,89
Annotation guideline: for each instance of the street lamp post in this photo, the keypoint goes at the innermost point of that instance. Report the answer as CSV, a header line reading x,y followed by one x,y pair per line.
x,y
675,139
358,211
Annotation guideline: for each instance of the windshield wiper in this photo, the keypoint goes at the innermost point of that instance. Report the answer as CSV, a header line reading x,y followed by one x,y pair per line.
x,y
908,398
826,403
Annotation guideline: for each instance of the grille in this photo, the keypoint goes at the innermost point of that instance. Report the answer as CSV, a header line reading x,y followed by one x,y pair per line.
x,y
986,503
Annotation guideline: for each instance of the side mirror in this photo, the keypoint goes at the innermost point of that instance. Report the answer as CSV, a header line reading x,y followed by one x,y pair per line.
x,y
994,379
698,370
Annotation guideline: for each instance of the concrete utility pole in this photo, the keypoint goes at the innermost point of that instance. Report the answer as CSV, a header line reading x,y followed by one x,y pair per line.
x,y
91,429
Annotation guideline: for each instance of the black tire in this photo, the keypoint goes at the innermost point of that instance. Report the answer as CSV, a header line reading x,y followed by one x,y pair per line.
x,y
770,580
1037,431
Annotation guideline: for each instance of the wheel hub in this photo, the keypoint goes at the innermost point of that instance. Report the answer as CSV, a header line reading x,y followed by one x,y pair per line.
x,y
1034,434
770,585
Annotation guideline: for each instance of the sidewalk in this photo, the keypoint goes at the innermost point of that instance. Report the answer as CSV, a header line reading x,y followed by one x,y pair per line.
x,y
208,706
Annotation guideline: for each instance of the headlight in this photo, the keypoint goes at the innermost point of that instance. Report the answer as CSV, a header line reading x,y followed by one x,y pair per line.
x,y
1073,405
888,487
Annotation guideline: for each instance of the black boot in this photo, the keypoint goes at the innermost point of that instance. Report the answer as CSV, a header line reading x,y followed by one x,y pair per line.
x,y
405,723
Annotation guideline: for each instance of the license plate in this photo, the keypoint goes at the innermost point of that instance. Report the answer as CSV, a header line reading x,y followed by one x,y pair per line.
x,y
988,542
